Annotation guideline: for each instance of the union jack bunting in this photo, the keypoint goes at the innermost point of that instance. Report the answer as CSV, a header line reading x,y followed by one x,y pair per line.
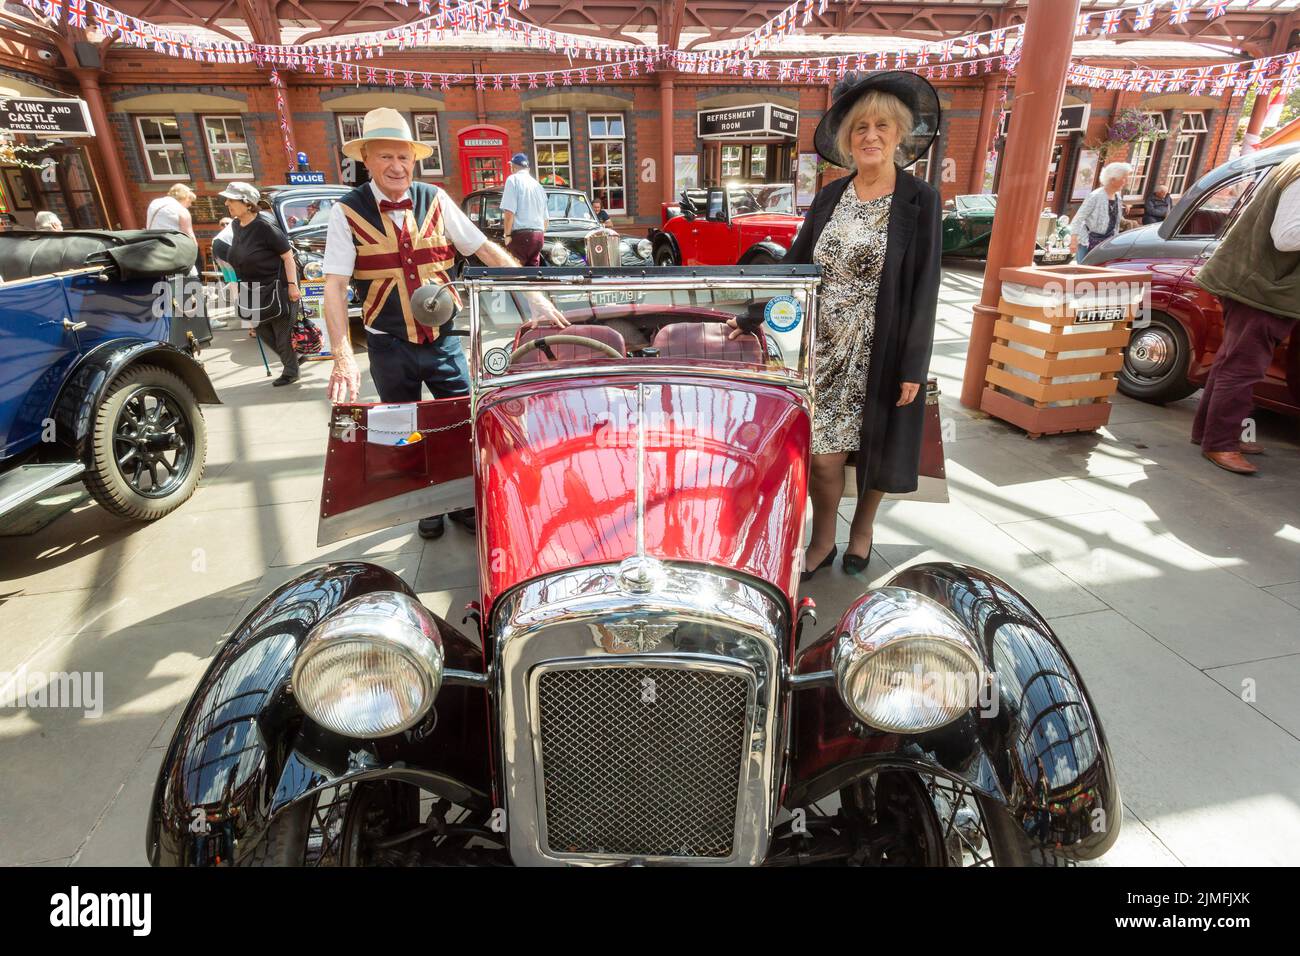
x,y
77,13
1146,15
1083,24
1110,21
1182,11
1216,8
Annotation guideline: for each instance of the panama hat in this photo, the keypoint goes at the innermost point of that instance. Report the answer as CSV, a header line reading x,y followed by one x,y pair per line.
x,y
385,123
915,92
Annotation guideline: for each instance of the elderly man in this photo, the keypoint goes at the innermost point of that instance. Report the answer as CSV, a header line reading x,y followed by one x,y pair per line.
x,y
391,236
1256,272
47,221
1156,208
1100,215
523,202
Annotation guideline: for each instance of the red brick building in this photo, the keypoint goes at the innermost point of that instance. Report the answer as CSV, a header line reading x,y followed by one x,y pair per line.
x,y
172,120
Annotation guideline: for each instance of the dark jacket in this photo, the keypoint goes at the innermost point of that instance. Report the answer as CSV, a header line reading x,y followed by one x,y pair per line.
x,y
1155,210
890,449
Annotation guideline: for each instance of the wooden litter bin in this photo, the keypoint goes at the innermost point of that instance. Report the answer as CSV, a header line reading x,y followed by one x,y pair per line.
x,y
1058,345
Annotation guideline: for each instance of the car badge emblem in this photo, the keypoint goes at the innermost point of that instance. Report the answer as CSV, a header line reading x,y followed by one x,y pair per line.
x,y
633,637
640,574
496,361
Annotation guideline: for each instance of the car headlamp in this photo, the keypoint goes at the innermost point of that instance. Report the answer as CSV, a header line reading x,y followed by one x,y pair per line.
x,y
559,254
371,668
644,249
903,663
313,270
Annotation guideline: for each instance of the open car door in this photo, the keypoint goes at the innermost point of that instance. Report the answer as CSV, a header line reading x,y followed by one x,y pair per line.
x,y
389,464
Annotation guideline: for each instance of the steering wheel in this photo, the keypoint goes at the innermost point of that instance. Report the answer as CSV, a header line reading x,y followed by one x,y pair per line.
x,y
544,342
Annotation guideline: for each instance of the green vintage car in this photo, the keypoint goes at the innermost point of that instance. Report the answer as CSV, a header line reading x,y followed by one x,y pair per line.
x,y
968,223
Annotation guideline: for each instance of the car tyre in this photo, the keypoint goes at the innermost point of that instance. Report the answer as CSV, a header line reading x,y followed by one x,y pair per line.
x,y
144,388
1156,362
664,256
762,259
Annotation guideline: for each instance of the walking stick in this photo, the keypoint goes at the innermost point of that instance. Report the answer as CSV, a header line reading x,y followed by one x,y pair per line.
x,y
265,364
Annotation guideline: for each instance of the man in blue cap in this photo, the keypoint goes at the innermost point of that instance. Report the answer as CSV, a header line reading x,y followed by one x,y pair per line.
x,y
523,203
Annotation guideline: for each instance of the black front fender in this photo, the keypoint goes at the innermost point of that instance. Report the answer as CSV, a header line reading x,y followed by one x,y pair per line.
x,y
82,393
244,751
1038,748
764,248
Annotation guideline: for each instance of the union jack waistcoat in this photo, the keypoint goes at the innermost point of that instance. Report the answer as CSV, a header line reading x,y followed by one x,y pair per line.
x,y
391,265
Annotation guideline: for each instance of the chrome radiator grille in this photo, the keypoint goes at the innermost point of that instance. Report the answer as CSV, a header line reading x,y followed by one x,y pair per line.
x,y
643,761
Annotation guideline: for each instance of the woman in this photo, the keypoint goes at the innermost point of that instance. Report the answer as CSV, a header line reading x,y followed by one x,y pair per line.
x,y
263,262
877,236
1101,214
1156,208
172,212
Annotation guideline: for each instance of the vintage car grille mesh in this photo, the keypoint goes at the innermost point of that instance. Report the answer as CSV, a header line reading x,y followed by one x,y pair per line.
x,y
642,760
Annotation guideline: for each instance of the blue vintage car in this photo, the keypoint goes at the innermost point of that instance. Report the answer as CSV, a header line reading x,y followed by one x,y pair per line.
x,y
98,372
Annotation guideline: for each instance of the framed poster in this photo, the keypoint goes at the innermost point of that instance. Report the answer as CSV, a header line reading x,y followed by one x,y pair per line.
x,y
1086,174
806,180
16,188
686,173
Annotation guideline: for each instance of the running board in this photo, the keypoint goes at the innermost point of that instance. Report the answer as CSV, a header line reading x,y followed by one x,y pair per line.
x,y
27,482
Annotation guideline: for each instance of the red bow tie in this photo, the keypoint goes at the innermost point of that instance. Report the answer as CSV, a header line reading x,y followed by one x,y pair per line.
x,y
386,205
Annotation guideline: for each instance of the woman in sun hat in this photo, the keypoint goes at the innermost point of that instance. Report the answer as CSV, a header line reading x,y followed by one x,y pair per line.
x,y
877,236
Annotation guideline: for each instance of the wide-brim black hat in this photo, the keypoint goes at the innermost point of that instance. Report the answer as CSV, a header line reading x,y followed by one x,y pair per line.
x,y
914,90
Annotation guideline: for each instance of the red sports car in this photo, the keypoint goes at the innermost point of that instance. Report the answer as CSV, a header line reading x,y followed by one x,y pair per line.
x,y
736,224
637,682
1171,358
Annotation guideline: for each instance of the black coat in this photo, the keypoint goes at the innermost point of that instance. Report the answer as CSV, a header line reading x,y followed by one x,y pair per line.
x,y
890,449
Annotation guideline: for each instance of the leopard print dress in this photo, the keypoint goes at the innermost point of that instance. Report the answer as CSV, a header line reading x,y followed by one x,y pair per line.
x,y
851,252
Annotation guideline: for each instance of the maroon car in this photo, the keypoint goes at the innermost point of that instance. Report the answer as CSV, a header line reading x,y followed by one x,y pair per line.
x,y
1171,358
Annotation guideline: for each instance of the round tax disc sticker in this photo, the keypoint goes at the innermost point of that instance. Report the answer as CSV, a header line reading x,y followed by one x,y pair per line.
x,y
496,360
783,313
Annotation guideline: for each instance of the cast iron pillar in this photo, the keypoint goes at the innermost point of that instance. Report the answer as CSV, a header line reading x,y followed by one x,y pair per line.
x,y
110,151
1039,91
666,172
988,106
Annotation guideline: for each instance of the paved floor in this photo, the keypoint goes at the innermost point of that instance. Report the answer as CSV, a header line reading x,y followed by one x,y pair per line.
x,y
1175,586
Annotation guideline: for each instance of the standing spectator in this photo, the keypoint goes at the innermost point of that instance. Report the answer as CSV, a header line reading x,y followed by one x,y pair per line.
x,y
221,260
409,231
599,209
172,211
877,236
1100,215
524,204
1156,208
264,264
47,221
1256,272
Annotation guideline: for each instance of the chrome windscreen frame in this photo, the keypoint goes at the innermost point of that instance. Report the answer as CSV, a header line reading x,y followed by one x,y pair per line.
x,y
563,622
800,280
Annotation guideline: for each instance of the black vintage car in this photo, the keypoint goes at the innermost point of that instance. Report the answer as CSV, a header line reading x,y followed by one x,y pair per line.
x,y
571,219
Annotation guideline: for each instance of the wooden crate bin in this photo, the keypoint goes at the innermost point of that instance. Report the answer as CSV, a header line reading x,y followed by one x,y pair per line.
x,y
1058,347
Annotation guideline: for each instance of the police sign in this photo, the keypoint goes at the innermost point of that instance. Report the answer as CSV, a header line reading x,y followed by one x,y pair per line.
x,y
47,117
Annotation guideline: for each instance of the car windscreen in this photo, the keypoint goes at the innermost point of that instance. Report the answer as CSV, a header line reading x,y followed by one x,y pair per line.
x,y
771,198
975,204
623,325
306,212
569,206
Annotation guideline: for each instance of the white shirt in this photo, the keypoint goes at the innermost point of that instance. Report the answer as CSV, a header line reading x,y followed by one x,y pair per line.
x,y
1286,220
341,251
526,198
164,213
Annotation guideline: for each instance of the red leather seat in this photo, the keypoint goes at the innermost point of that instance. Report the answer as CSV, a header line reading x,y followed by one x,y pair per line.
x,y
707,340
567,353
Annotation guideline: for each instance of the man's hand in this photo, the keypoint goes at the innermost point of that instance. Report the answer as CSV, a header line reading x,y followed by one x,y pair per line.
x,y
345,379
294,292
736,331
907,393
545,314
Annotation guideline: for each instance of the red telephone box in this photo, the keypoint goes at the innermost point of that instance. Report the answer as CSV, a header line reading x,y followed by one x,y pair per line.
x,y
484,157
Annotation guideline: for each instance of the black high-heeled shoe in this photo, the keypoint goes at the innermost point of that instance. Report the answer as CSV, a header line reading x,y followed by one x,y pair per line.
x,y
856,564
826,562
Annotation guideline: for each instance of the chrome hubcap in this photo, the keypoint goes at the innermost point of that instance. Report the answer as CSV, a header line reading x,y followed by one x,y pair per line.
x,y
1151,353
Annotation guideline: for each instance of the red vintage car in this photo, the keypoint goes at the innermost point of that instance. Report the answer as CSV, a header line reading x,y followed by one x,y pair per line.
x,y
736,224
1170,358
637,681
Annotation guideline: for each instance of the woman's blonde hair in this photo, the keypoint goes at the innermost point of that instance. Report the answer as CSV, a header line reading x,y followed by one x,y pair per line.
x,y
182,192
872,104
